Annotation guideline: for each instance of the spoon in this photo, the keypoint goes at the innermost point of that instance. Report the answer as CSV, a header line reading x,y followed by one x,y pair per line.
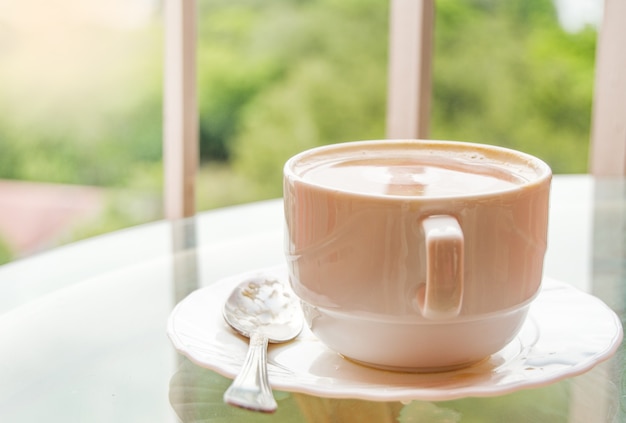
x,y
264,311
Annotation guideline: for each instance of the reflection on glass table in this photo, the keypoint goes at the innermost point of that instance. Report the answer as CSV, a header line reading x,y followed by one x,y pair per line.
x,y
83,327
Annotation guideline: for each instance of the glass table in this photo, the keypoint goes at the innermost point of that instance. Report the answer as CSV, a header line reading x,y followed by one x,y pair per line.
x,y
83,327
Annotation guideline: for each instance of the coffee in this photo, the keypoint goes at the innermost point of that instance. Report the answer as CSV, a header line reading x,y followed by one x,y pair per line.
x,y
410,177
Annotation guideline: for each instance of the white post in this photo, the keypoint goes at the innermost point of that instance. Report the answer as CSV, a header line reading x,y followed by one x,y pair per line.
x,y
180,111
608,132
411,29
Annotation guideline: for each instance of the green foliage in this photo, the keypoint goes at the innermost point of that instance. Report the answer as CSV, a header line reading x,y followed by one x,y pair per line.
x,y
528,89
6,253
10,155
229,75
332,87
88,121
218,185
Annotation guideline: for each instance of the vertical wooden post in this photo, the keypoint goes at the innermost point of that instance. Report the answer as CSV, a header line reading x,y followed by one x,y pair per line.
x,y
411,29
180,111
608,132
180,142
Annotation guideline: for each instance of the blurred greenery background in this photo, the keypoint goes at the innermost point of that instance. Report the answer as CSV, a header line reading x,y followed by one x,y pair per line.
x,y
82,90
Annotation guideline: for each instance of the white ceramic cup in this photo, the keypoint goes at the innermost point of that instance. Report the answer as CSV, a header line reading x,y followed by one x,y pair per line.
x,y
415,255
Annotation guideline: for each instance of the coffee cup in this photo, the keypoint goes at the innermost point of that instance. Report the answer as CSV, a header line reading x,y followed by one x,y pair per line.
x,y
415,255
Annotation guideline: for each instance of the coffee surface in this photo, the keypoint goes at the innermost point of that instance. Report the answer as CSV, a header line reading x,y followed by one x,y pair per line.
x,y
434,177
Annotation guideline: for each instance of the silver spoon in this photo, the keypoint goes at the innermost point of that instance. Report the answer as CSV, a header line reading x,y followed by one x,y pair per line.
x,y
264,311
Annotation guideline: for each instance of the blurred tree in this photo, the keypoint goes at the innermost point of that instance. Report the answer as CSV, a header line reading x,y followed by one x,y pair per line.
x,y
6,254
10,155
332,89
87,116
229,74
505,73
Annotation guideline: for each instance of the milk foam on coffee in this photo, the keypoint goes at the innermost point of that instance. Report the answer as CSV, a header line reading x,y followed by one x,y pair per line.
x,y
409,177
414,173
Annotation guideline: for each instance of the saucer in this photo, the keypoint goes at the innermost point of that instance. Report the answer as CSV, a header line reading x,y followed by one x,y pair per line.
x,y
567,333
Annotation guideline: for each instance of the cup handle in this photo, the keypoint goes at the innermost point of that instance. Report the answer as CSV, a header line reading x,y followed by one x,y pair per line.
x,y
441,296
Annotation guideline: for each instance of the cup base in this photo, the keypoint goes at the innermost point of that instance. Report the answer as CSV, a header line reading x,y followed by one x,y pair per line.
x,y
418,347
397,369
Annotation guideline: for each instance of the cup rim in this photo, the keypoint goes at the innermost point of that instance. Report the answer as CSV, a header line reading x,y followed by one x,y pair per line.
x,y
542,169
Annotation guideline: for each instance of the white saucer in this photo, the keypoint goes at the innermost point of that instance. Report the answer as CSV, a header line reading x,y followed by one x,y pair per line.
x,y
567,333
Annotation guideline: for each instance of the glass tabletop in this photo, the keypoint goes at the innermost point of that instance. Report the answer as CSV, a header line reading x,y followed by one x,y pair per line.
x,y
83,327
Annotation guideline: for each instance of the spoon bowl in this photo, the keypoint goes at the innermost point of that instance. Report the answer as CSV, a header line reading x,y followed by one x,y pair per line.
x,y
264,310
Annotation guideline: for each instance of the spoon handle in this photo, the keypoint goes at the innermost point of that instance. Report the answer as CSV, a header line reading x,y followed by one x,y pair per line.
x,y
251,389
